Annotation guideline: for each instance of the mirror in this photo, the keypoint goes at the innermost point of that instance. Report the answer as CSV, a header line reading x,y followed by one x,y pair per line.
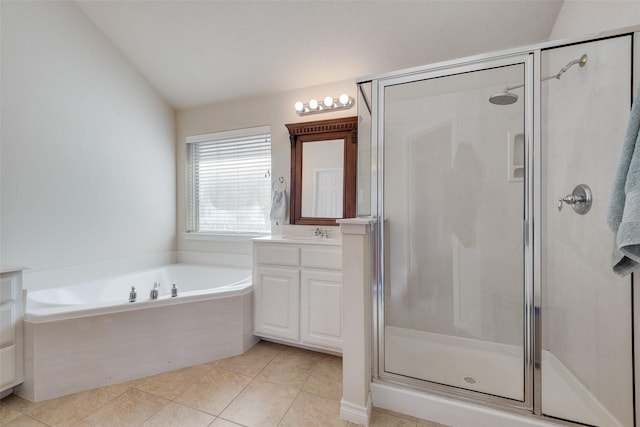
x,y
323,179
323,171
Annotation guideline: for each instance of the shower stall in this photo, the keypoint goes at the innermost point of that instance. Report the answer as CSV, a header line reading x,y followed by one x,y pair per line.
x,y
490,179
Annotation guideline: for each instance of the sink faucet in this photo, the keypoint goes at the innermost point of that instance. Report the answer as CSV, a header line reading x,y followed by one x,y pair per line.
x,y
154,291
321,233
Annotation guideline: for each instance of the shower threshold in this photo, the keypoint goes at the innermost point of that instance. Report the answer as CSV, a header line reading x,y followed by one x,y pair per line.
x,y
492,368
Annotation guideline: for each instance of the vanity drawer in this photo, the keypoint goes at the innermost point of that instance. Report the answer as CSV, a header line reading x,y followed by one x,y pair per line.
x,y
7,324
322,257
8,289
286,255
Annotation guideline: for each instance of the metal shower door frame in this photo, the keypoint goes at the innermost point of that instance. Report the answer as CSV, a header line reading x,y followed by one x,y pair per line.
x,y
531,62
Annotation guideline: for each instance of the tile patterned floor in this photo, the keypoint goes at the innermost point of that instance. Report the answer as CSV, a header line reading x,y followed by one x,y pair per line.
x,y
270,385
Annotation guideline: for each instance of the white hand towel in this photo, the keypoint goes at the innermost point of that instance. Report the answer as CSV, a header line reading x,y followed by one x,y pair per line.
x,y
279,206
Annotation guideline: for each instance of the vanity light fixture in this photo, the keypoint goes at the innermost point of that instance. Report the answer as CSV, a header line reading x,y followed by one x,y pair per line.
x,y
343,102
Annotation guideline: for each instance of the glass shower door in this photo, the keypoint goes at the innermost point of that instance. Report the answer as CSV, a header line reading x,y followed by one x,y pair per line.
x,y
454,206
586,358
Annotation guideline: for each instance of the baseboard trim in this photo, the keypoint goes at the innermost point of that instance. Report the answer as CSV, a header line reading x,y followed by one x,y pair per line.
x,y
356,413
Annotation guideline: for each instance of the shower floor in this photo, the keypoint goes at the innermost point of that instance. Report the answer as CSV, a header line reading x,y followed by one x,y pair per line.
x,y
461,362
491,368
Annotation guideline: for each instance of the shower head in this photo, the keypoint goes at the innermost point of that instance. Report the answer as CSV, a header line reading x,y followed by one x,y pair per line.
x,y
503,98
508,98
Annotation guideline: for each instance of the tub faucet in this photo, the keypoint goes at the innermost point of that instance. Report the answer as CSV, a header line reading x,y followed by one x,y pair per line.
x,y
154,291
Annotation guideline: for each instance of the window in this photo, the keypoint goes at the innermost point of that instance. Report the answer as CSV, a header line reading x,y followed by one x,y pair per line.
x,y
229,181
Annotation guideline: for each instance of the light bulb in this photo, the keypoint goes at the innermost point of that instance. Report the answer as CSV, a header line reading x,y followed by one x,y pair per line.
x,y
328,102
344,99
299,106
313,104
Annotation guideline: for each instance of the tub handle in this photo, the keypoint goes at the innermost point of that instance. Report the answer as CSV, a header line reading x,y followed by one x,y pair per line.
x,y
174,290
154,291
133,294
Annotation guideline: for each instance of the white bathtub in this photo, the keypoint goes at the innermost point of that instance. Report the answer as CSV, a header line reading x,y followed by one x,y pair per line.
x,y
89,335
111,295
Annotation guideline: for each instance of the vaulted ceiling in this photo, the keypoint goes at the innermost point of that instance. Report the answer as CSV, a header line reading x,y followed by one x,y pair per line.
x,y
203,52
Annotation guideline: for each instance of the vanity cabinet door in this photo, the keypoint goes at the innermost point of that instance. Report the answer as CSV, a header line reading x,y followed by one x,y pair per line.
x,y
8,372
277,296
11,325
321,308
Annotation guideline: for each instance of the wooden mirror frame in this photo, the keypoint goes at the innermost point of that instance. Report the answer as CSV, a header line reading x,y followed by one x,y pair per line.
x,y
299,133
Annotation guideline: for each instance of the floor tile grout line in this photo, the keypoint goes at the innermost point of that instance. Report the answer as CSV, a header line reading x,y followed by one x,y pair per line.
x,y
224,419
256,378
296,398
187,405
75,421
116,397
236,396
156,412
207,371
35,419
290,405
191,407
211,368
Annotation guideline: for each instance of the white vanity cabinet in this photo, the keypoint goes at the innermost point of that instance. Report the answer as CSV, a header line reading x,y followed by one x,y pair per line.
x,y
298,291
11,372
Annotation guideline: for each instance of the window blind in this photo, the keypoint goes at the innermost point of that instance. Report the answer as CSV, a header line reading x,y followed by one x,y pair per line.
x,y
229,181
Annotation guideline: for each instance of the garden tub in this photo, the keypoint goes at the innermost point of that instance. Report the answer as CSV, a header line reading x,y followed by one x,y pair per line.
x,y
87,335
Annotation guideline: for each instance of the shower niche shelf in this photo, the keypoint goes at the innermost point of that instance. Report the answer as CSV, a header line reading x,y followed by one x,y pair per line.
x,y
515,157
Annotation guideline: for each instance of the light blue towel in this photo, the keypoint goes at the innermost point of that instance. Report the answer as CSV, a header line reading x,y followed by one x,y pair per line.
x,y
624,209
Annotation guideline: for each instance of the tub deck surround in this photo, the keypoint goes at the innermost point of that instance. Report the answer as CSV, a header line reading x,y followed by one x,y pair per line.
x,y
70,347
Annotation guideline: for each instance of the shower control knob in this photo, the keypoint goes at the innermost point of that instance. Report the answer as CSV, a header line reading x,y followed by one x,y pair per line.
x,y
580,199
570,200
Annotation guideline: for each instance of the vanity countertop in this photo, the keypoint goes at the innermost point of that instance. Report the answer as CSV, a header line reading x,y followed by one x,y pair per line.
x,y
298,240
11,268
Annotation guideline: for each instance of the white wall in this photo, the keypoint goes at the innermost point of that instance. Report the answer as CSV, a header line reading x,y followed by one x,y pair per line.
x,y
587,308
578,18
88,147
578,313
274,110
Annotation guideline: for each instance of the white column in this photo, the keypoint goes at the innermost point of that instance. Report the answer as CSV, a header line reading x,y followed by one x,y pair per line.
x,y
356,311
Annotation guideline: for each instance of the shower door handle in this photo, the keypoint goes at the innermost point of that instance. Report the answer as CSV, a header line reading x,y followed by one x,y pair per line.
x,y
580,199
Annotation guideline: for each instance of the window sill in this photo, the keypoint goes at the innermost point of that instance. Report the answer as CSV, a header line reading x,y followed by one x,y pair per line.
x,y
221,237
